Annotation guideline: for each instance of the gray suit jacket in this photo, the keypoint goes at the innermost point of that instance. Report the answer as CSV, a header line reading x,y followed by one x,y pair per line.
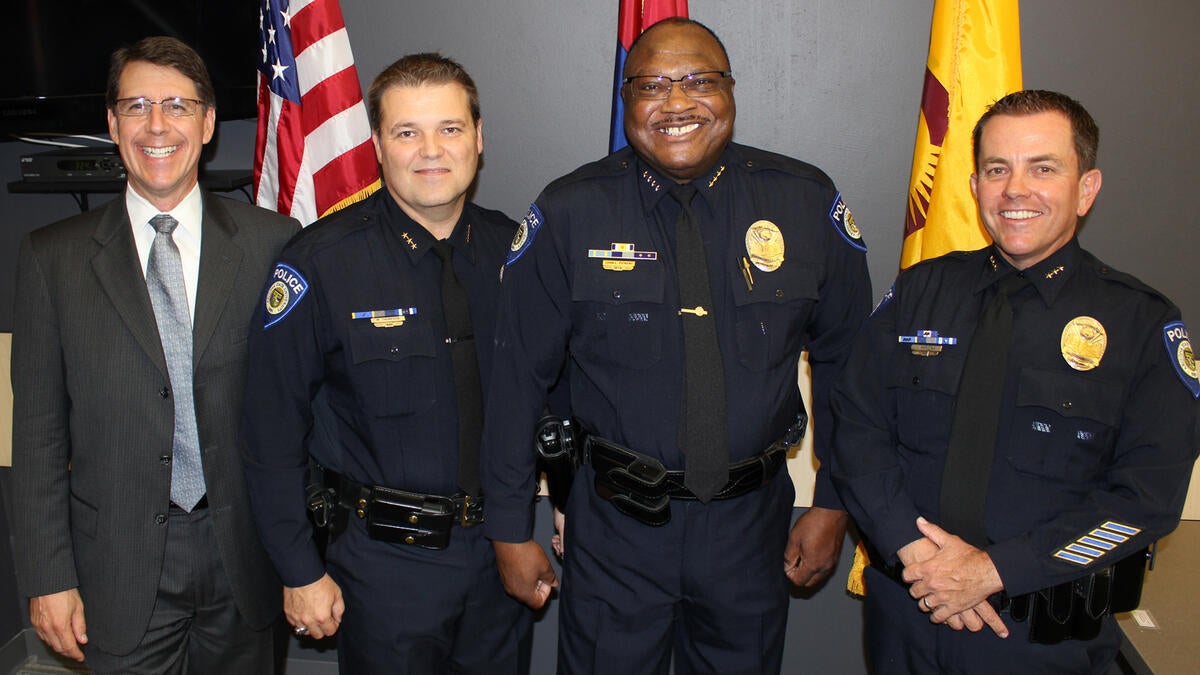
x,y
93,418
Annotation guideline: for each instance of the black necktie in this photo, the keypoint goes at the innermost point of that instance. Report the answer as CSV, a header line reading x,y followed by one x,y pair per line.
x,y
456,308
976,417
702,422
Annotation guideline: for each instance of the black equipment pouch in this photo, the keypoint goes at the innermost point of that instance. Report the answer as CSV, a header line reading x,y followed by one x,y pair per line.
x,y
1075,610
322,505
410,518
558,455
632,482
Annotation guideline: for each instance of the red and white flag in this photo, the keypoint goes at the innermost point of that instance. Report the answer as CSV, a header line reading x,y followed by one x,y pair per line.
x,y
313,154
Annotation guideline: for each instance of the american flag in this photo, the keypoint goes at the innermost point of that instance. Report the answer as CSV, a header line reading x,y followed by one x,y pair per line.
x,y
313,154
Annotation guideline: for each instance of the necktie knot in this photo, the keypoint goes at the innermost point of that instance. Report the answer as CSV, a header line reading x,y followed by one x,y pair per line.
x,y
683,193
1011,284
163,223
443,250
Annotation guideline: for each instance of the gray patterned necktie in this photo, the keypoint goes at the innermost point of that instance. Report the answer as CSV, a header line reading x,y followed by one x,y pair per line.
x,y
164,280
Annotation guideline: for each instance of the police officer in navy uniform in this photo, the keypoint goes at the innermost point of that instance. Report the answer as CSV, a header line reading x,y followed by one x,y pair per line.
x,y
591,293
1094,418
354,366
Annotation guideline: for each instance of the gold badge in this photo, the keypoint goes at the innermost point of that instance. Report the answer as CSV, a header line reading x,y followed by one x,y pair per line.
x,y
277,297
1083,343
764,243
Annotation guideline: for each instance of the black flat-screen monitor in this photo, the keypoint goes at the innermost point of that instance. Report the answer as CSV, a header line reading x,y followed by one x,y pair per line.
x,y
55,56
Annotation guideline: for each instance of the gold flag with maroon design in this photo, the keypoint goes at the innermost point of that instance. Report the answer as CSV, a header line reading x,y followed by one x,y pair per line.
x,y
974,59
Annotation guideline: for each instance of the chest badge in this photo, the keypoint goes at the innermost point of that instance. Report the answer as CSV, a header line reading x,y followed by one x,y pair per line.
x,y
621,257
764,244
1083,342
926,342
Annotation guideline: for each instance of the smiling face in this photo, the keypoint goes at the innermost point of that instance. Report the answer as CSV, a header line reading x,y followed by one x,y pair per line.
x,y
429,150
161,154
681,137
1029,187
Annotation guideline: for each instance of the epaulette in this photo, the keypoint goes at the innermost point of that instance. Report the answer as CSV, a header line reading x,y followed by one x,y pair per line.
x,y
614,164
755,160
1108,273
334,227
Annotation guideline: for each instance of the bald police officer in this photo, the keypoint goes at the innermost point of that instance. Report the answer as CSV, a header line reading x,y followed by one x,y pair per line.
x,y
674,284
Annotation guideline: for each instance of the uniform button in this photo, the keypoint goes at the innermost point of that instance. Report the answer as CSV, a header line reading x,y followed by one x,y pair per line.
x,y
616,295
409,540
1066,405
413,519
779,292
165,459
916,380
394,350
624,164
164,392
749,162
160,518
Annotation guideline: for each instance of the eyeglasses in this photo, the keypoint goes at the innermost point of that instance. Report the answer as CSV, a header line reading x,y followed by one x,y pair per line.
x,y
171,107
694,85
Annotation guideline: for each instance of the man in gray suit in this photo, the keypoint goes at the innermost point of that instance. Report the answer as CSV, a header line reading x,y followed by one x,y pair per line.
x,y
134,540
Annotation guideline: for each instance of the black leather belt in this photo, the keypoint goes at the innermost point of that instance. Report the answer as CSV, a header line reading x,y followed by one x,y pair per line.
x,y
642,488
404,517
745,476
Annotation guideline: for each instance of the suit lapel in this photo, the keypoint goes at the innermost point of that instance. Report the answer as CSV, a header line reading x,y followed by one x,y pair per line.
x,y
119,272
220,257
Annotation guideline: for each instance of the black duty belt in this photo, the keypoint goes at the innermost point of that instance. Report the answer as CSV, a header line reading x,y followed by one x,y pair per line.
x,y
641,487
403,517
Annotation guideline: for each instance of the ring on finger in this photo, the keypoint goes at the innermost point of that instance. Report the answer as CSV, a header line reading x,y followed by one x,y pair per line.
x,y
925,601
300,630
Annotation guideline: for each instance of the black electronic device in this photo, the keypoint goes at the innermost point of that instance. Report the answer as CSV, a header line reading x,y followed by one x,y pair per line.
x,y
73,164
56,56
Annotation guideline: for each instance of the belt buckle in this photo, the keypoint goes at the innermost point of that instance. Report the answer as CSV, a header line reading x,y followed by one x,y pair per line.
x,y
464,515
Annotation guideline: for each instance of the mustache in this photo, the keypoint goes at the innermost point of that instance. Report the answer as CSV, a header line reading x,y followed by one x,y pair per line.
x,y
680,120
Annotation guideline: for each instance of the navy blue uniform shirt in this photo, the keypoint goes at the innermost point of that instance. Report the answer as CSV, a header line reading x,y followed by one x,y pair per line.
x,y
1097,427
351,363
590,286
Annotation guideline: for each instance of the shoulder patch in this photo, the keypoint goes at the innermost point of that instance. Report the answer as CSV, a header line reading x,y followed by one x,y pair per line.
x,y
526,231
286,289
843,221
1179,350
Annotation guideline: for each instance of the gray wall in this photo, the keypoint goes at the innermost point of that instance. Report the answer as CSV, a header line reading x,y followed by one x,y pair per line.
x,y
834,82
